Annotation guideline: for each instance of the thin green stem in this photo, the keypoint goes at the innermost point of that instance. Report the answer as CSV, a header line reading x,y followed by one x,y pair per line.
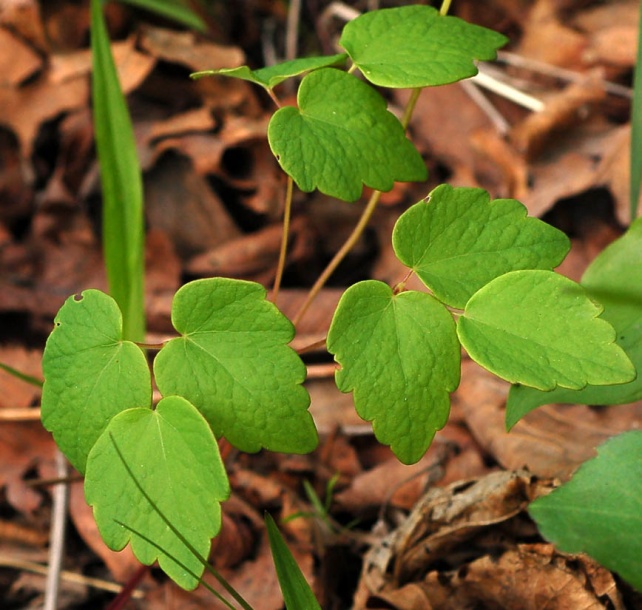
x,y
287,213
410,107
340,255
445,5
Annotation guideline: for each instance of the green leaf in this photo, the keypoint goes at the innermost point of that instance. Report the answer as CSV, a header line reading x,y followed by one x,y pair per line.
x,y
172,453
460,240
342,137
614,279
120,174
271,76
415,46
599,511
233,363
297,593
541,329
91,374
400,356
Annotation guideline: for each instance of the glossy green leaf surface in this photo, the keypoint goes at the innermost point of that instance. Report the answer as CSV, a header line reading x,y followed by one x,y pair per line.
x,y
415,46
271,76
599,511
173,456
178,10
122,186
541,329
297,593
460,240
233,364
341,137
614,279
91,374
400,357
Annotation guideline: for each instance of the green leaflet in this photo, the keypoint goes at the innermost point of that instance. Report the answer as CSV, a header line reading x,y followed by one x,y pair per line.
x,y
233,363
415,46
400,356
541,329
271,76
460,240
614,279
174,456
91,374
342,137
599,511
296,590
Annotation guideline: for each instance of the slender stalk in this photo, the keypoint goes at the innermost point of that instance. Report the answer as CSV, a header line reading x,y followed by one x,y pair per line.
x,y
57,542
445,5
636,132
287,213
340,255
20,375
358,230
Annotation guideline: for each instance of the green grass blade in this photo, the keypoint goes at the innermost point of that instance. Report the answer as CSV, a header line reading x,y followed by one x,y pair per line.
x,y
123,231
296,590
173,9
636,130
23,376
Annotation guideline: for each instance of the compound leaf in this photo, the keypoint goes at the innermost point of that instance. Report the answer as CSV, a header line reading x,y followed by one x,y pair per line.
x,y
234,365
541,329
271,76
91,374
150,468
341,137
400,356
599,511
415,46
614,279
460,240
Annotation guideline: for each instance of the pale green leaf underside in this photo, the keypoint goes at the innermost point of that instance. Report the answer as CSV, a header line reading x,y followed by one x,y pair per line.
x,y
341,137
599,512
271,76
460,240
414,46
400,356
540,329
91,374
233,363
614,279
174,456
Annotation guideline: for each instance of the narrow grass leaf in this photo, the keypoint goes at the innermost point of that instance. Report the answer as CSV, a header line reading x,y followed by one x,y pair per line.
x,y
123,230
636,130
599,511
177,10
297,593
20,375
